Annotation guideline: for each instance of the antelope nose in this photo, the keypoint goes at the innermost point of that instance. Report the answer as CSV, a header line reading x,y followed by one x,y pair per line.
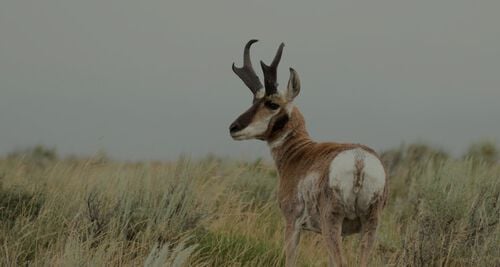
x,y
235,127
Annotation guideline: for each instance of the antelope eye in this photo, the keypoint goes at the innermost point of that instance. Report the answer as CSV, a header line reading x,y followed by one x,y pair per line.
x,y
271,105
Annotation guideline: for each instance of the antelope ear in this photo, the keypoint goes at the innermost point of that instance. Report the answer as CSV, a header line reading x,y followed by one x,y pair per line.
x,y
293,87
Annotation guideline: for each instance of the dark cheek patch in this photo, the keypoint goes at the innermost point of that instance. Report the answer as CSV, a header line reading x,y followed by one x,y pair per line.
x,y
246,118
280,123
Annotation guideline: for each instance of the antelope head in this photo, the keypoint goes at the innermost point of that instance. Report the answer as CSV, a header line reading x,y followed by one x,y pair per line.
x,y
271,109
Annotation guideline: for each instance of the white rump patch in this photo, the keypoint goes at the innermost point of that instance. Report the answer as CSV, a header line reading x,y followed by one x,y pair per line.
x,y
343,172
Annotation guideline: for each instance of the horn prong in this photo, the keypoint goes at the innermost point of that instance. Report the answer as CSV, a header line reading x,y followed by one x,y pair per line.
x,y
270,72
246,72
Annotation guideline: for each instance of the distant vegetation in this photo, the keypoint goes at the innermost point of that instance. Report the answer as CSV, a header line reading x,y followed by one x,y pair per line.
x,y
442,211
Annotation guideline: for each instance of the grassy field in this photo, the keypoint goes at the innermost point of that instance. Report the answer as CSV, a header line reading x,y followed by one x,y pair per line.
x,y
442,211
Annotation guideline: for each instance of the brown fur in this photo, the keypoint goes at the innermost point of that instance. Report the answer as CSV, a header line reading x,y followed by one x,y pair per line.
x,y
299,155
304,163
296,156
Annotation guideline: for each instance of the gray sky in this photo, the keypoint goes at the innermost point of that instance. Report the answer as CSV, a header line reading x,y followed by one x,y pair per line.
x,y
153,79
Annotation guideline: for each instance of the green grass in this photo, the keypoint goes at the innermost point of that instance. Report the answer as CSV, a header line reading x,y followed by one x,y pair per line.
x,y
219,212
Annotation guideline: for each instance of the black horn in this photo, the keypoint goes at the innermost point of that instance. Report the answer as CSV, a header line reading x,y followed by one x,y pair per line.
x,y
270,72
246,73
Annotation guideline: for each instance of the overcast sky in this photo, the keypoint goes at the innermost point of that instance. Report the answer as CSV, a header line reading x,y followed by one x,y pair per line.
x,y
153,79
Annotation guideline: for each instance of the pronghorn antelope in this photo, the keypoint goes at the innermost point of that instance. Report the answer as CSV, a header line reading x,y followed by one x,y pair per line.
x,y
328,188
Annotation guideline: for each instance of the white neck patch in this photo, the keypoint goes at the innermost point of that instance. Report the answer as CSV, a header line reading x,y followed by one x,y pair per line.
x,y
289,108
279,141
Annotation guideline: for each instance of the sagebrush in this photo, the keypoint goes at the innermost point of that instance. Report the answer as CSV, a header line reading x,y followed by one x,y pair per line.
x,y
220,212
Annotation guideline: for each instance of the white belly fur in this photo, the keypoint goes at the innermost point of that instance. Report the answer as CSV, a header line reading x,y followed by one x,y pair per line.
x,y
308,191
343,178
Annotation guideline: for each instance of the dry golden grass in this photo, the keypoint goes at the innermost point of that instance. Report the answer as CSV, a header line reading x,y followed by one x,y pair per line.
x,y
219,212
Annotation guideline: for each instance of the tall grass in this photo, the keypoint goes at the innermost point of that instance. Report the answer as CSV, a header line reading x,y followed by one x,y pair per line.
x,y
220,212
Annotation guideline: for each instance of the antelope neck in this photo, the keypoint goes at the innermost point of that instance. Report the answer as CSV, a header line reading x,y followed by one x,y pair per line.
x,y
292,144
